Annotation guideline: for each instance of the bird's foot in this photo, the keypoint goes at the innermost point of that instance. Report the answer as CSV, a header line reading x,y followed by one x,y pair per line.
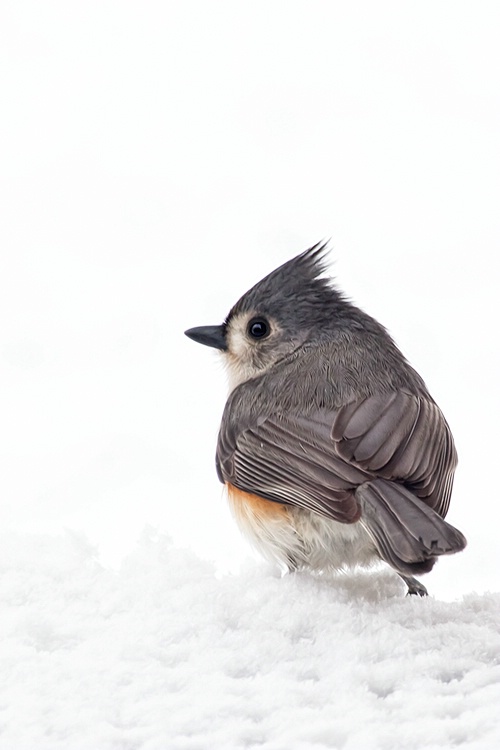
x,y
415,588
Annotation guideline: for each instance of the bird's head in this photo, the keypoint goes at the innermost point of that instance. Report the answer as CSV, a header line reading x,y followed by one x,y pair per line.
x,y
274,317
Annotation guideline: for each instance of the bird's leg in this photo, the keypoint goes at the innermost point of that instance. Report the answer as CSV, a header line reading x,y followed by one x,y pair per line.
x,y
415,588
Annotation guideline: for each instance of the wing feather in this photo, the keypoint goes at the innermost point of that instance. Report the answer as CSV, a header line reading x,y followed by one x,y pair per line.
x,y
317,461
411,443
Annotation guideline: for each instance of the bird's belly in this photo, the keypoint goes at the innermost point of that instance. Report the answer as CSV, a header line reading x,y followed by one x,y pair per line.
x,y
298,538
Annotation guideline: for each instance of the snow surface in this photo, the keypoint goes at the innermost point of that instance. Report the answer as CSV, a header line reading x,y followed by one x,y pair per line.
x,y
163,654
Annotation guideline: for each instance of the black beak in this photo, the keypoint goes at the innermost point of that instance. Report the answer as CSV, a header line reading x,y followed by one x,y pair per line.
x,y
208,335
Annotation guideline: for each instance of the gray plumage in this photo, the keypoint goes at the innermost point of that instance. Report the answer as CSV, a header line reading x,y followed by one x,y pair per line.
x,y
327,418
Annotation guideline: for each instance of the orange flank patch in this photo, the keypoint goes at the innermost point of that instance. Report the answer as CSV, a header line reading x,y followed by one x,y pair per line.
x,y
267,525
247,505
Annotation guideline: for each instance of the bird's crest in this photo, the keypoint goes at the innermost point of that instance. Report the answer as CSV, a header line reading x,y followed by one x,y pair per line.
x,y
295,286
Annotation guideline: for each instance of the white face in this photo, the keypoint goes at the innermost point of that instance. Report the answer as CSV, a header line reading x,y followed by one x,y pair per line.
x,y
246,357
248,354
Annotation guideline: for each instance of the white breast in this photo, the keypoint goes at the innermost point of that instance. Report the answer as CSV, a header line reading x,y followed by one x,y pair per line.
x,y
297,538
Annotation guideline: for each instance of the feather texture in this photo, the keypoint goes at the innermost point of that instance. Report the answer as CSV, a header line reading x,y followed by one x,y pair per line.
x,y
387,459
327,422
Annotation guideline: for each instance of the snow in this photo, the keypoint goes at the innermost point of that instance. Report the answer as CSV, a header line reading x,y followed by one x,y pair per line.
x,y
157,159
165,654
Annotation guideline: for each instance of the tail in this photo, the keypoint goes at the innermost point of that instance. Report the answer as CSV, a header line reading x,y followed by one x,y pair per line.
x,y
408,534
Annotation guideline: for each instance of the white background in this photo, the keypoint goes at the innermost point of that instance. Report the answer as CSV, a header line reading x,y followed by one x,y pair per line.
x,y
158,158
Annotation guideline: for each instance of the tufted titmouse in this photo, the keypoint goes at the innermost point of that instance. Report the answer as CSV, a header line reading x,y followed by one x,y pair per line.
x,y
331,448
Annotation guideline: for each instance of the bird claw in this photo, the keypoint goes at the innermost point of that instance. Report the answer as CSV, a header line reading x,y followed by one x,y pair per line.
x,y
415,588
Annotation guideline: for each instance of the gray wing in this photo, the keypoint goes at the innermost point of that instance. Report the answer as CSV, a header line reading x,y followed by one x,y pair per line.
x,y
290,460
401,437
318,461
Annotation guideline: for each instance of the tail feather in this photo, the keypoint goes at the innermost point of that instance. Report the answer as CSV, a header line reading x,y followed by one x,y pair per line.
x,y
409,535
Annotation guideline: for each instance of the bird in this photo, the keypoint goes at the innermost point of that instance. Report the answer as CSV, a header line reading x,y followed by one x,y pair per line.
x,y
332,450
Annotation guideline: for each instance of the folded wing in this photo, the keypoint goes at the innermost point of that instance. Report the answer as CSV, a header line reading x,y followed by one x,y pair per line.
x,y
387,460
399,437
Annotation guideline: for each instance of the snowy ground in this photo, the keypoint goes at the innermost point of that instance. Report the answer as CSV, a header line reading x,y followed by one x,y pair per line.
x,y
165,655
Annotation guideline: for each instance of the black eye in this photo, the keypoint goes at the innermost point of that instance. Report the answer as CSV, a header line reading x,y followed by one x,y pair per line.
x,y
258,328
